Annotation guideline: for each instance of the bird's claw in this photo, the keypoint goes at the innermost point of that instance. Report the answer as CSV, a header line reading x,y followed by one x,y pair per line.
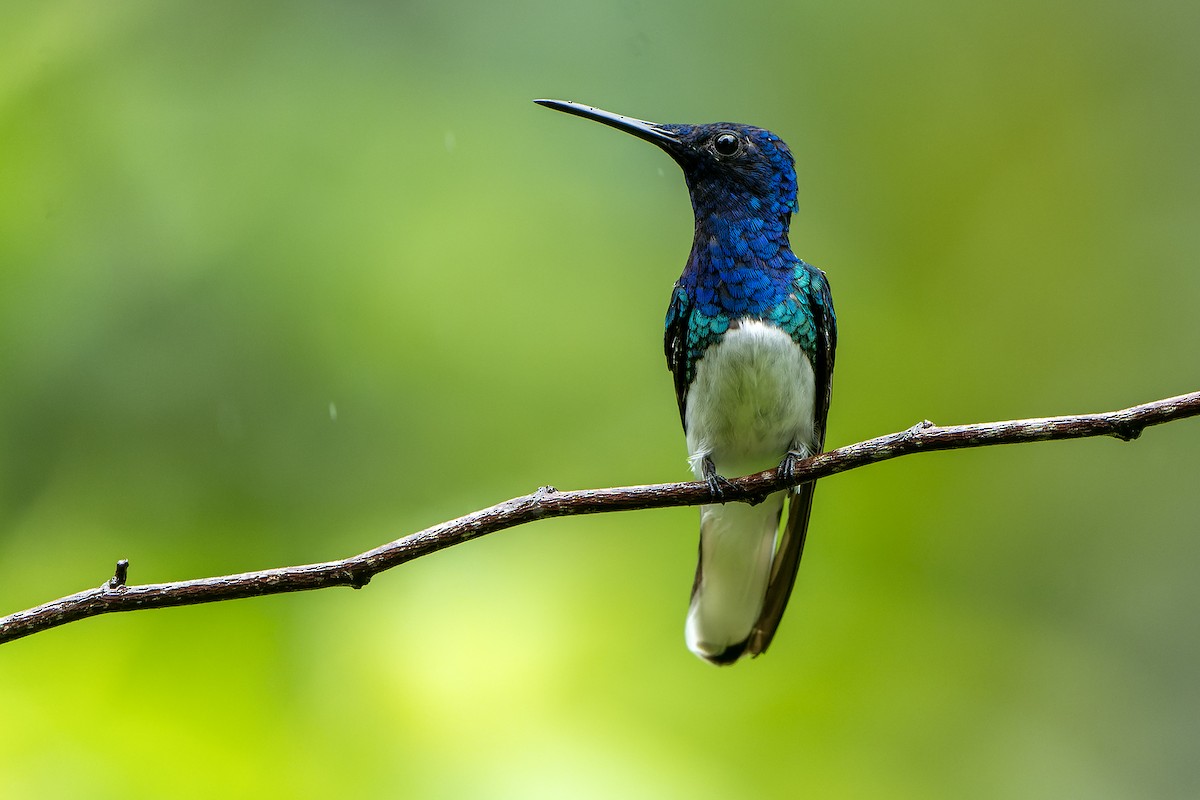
x,y
787,467
717,484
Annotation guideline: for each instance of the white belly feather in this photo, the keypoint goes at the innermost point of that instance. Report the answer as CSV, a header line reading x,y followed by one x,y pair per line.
x,y
751,400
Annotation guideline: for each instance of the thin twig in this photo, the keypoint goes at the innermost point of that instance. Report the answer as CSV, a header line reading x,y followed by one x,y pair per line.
x,y
357,571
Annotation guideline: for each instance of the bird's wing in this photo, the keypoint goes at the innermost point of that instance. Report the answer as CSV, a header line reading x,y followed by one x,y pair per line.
x,y
811,285
821,304
675,343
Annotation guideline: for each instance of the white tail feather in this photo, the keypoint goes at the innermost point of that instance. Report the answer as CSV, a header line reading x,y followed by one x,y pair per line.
x,y
737,542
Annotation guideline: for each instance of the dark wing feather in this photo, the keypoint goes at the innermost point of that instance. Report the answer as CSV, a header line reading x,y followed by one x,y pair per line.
x,y
791,540
675,343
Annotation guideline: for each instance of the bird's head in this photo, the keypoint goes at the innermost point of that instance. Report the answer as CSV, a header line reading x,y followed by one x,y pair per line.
x,y
729,167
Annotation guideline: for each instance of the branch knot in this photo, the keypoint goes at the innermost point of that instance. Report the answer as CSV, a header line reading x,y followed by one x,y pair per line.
x,y
1125,430
117,581
919,428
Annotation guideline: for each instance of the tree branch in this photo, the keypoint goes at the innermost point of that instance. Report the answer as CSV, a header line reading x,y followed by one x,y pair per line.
x,y
114,595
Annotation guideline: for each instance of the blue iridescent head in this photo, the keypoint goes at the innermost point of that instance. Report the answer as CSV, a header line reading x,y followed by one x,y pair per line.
x,y
731,169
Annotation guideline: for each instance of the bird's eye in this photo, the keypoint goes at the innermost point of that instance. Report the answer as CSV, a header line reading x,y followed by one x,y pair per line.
x,y
726,144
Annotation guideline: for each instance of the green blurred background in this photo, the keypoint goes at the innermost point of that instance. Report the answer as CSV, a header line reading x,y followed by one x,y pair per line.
x,y
280,282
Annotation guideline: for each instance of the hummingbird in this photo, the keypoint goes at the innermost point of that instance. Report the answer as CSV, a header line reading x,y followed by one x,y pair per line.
x,y
750,341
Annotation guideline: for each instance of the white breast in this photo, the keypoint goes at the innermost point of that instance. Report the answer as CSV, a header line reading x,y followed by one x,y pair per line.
x,y
751,401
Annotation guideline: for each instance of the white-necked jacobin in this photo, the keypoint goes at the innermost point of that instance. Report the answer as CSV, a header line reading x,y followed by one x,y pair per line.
x,y
750,340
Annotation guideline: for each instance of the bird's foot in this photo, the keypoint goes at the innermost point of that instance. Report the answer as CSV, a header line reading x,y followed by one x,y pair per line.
x,y
787,467
717,484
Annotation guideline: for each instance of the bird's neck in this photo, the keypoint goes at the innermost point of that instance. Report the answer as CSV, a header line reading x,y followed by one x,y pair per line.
x,y
741,256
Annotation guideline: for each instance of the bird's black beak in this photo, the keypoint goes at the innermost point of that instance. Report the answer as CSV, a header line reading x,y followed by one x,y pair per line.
x,y
652,132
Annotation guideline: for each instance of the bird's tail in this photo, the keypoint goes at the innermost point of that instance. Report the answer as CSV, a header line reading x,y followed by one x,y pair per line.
x,y
737,544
